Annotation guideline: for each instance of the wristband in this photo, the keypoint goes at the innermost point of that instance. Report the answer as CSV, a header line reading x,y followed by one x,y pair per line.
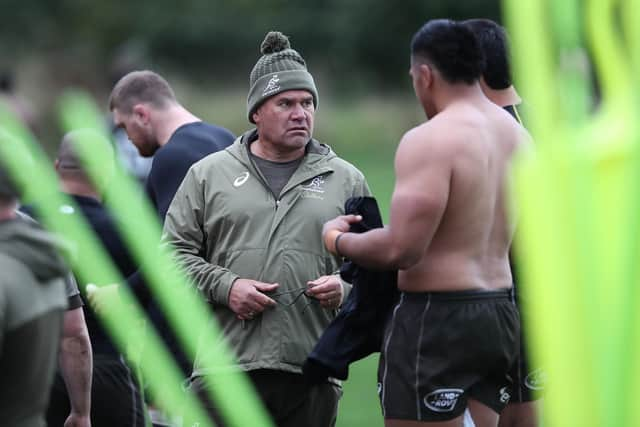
x,y
330,239
335,244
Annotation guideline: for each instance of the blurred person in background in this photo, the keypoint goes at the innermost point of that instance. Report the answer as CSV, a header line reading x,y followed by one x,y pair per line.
x,y
144,105
115,395
129,56
36,328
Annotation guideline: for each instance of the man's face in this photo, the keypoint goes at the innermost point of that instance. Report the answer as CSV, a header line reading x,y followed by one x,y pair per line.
x,y
138,129
286,120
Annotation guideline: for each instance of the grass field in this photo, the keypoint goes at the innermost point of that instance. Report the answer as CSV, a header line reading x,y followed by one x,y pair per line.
x,y
359,405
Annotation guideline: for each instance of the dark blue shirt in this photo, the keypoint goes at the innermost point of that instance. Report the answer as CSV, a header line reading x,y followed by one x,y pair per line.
x,y
188,144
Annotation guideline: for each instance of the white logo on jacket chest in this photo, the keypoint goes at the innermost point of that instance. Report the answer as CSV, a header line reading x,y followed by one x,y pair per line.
x,y
241,179
314,189
316,185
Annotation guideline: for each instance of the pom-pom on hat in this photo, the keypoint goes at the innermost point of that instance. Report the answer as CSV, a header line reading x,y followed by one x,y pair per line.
x,y
279,69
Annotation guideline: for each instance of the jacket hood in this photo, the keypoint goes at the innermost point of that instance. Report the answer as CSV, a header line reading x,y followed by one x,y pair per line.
x,y
24,240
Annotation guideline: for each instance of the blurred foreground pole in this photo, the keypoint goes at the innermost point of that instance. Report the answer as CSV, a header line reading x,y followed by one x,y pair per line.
x,y
578,236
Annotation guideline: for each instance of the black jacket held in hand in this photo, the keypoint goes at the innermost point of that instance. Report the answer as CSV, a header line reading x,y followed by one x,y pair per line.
x,y
358,329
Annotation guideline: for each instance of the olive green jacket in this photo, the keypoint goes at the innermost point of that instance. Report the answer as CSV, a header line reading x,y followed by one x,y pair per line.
x,y
32,305
225,223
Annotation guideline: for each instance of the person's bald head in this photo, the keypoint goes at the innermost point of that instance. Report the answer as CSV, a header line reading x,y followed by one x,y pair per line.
x,y
68,163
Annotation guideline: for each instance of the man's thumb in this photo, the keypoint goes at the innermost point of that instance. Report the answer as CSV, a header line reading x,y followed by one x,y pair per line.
x,y
265,287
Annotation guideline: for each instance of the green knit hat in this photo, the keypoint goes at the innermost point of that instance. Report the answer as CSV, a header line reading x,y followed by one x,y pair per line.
x,y
279,69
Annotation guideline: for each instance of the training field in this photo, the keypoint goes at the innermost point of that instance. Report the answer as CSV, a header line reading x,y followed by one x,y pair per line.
x,y
359,405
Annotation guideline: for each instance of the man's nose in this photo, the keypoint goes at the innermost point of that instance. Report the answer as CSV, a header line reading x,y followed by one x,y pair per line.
x,y
298,113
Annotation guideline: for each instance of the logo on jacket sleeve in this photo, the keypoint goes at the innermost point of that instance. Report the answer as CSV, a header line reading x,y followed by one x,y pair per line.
x,y
241,179
443,400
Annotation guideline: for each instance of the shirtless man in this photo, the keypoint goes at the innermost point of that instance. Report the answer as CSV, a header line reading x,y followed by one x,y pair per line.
x,y
453,336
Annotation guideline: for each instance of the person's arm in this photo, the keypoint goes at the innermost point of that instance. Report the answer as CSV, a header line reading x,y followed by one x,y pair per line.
x,y
76,366
183,230
423,174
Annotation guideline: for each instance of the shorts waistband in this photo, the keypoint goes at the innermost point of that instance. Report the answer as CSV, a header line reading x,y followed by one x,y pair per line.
x,y
469,295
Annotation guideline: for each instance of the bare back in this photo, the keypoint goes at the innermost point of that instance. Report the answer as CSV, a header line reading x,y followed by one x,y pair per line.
x,y
452,173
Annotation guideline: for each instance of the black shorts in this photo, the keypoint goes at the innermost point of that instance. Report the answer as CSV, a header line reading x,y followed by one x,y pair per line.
x,y
115,396
441,348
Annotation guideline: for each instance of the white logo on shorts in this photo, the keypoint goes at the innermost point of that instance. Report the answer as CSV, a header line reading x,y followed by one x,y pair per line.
x,y
379,388
504,395
241,179
443,400
536,380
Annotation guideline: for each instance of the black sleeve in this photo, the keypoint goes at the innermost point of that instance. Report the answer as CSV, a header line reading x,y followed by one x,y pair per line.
x,y
139,287
169,168
73,294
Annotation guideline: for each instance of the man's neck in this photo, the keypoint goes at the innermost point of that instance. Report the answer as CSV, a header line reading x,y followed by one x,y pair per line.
x,y
169,120
453,93
501,97
79,188
271,152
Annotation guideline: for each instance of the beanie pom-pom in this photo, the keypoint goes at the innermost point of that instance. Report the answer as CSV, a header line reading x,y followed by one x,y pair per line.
x,y
274,42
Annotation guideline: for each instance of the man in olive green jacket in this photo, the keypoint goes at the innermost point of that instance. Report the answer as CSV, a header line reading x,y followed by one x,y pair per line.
x,y
246,224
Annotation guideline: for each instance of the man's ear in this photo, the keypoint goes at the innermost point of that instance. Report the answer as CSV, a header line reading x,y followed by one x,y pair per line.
x,y
141,112
255,116
426,75
56,164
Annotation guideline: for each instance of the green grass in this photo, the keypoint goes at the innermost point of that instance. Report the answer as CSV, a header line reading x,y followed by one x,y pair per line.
x,y
360,405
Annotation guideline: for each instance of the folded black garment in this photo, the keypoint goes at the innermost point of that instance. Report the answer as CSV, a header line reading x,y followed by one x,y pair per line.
x,y
358,329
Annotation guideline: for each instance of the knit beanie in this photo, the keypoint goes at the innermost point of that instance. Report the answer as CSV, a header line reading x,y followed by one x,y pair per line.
x,y
279,69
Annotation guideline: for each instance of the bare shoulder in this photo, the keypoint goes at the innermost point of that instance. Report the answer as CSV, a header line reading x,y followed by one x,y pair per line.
x,y
432,141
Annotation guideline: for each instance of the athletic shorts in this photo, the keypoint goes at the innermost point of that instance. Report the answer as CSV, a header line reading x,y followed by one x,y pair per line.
x,y
442,348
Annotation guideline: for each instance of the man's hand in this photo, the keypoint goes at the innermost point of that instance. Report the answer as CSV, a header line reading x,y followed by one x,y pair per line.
x,y
247,299
332,229
77,420
102,297
327,290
